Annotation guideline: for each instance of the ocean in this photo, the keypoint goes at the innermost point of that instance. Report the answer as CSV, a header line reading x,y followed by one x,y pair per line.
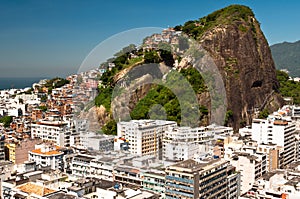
x,y
18,82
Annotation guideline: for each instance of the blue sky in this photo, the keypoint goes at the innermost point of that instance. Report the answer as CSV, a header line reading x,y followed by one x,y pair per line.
x,y
52,38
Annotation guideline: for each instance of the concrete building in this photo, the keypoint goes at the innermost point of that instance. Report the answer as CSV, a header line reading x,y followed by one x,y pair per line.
x,y
96,164
251,166
6,169
155,181
122,193
98,142
129,175
80,127
182,143
278,184
274,155
102,168
278,132
47,155
27,190
18,152
58,132
81,165
208,179
144,136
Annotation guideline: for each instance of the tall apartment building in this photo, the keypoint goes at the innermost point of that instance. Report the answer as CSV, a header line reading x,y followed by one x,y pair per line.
x,y
251,165
144,136
182,143
58,132
209,179
274,155
279,132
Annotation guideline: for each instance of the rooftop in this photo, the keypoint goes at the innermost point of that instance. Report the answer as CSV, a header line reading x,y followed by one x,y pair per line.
x,y
61,196
195,165
268,175
35,189
52,152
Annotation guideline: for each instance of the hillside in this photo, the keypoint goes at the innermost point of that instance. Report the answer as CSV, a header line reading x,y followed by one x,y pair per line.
x,y
286,55
288,87
233,40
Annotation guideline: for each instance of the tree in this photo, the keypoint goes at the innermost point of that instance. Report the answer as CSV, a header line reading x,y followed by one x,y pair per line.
x,y
263,114
151,57
6,120
228,117
110,128
43,108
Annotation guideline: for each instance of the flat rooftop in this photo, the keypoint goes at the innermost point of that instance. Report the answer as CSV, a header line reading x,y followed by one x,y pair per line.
x,y
195,165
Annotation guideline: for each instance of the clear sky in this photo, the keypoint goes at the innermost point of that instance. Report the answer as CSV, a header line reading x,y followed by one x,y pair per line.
x,y
46,38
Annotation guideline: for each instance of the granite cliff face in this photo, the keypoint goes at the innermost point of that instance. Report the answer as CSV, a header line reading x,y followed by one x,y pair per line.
x,y
233,38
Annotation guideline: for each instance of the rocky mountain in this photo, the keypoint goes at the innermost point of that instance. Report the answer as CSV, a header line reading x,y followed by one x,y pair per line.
x,y
286,55
233,39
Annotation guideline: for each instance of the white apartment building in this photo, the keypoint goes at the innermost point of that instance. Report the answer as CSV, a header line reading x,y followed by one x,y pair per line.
x,y
144,136
47,155
81,165
97,142
251,166
278,132
58,132
274,155
182,143
102,168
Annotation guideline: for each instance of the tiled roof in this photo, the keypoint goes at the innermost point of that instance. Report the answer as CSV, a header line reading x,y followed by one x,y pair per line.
x,y
35,189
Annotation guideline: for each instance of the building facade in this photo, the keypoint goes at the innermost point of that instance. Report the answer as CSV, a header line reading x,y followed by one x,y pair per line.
x,y
278,132
18,152
144,136
58,132
47,155
182,143
207,179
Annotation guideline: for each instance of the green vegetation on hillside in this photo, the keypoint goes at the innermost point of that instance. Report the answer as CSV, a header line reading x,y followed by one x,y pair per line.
x,y
165,96
105,90
228,15
104,97
263,114
110,128
122,61
162,95
56,82
286,56
288,88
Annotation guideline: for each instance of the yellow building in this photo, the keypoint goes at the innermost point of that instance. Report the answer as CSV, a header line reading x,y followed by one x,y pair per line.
x,y
18,151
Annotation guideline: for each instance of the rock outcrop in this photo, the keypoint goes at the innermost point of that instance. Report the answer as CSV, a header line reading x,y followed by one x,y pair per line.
x,y
243,57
